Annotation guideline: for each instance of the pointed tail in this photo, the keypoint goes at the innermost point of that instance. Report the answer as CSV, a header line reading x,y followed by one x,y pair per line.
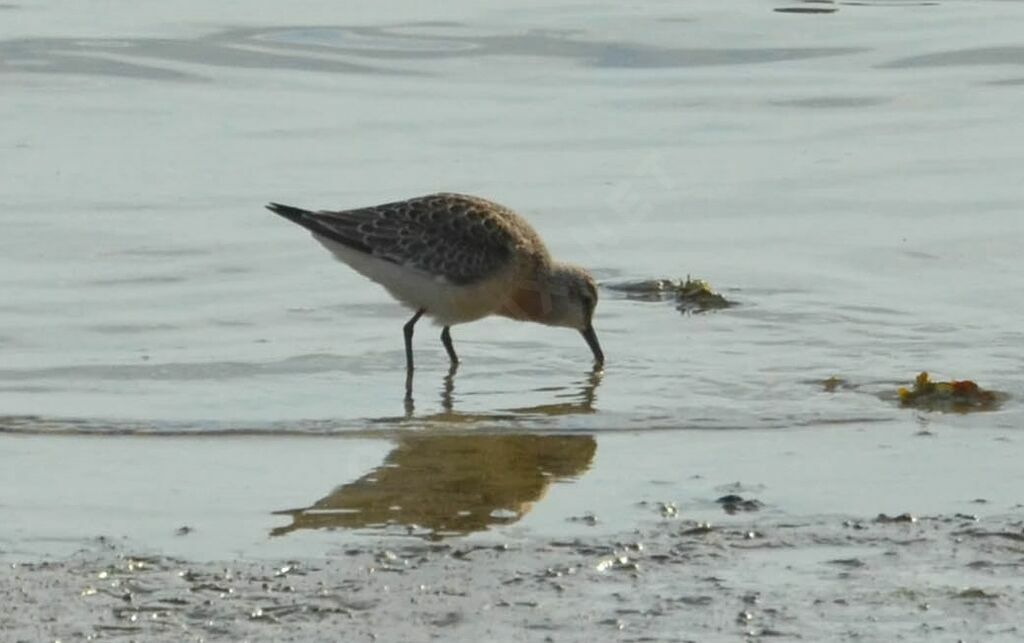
x,y
320,225
293,214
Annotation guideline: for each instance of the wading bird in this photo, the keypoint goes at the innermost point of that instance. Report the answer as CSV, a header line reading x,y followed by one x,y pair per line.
x,y
456,259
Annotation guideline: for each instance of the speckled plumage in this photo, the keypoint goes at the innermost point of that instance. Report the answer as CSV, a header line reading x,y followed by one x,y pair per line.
x,y
456,258
462,238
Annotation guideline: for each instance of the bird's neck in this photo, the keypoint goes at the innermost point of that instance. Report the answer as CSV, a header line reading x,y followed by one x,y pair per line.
x,y
536,298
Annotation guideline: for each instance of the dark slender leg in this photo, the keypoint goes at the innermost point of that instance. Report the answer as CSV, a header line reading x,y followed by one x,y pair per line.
x,y
446,339
408,338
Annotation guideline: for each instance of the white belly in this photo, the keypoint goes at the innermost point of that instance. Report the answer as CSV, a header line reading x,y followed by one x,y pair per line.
x,y
445,302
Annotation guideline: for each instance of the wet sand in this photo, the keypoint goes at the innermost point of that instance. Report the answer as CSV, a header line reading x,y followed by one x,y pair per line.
x,y
926,578
847,532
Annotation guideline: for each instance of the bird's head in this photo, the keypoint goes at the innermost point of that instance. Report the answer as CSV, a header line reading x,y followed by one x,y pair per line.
x,y
573,300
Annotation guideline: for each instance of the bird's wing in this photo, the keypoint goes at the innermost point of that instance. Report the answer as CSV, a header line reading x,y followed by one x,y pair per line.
x,y
461,239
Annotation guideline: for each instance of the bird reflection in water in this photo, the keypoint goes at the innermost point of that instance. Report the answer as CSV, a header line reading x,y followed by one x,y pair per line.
x,y
579,402
443,484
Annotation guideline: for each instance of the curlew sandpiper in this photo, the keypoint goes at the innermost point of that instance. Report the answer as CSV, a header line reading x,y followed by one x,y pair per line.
x,y
456,258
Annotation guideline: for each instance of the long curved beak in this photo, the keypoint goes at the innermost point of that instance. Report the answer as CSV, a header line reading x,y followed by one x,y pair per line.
x,y
591,337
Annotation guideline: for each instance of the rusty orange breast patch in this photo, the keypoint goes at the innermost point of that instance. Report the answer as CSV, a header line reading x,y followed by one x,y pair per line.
x,y
527,303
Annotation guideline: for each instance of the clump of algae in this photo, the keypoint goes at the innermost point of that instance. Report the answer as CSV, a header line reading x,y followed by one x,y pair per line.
x,y
690,295
696,295
959,396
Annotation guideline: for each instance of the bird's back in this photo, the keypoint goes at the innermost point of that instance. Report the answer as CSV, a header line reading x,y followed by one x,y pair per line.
x,y
460,238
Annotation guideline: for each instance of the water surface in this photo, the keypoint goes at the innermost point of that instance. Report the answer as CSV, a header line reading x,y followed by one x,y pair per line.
x,y
851,179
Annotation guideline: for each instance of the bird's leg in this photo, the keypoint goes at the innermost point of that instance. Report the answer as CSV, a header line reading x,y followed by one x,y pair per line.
x,y
446,339
408,338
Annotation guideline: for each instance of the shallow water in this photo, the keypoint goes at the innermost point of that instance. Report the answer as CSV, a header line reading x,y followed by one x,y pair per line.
x,y
850,179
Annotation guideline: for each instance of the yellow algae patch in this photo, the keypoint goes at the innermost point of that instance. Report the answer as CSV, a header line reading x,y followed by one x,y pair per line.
x,y
960,396
696,295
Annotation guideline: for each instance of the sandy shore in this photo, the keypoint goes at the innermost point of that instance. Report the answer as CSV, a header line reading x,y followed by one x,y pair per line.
x,y
898,578
737,536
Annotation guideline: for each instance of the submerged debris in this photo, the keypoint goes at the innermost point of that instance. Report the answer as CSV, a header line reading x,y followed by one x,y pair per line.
x,y
833,384
617,563
975,593
903,517
733,504
697,528
816,10
690,295
587,519
961,396
668,509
